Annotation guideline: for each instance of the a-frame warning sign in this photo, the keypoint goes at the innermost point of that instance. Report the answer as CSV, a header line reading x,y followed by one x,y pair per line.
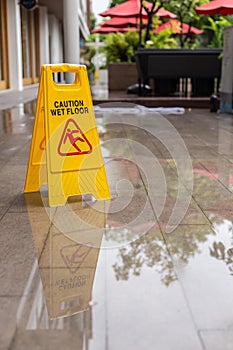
x,y
65,150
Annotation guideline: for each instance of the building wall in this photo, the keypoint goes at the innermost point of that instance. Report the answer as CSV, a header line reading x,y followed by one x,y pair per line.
x,y
44,35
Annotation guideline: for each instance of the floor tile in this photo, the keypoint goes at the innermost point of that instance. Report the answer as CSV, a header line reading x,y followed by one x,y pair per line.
x,y
206,280
17,254
8,311
217,339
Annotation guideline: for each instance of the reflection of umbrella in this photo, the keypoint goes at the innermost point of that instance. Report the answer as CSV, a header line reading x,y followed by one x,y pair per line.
x,y
106,30
216,7
175,26
132,8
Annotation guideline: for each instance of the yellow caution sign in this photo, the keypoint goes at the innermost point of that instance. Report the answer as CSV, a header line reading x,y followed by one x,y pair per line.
x,y
65,149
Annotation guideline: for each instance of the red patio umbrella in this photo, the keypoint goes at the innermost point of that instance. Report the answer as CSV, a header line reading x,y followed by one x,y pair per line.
x,y
107,29
162,13
132,8
175,26
216,7
121,22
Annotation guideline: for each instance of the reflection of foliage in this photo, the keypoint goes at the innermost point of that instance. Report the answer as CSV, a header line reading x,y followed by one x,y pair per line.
x,y
219,218
184,245
220,252
120,235
150,250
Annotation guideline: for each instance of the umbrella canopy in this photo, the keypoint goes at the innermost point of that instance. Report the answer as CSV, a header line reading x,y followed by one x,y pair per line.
x,y
132,8
121,22
175,26
107,29
216,7
127,8
162,13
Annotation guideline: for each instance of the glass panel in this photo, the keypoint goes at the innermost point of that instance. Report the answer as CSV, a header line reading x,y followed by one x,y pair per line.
x,y
30,45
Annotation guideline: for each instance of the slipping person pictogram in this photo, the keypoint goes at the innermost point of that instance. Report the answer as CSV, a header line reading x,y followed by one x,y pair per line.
x,y
73,141
73,255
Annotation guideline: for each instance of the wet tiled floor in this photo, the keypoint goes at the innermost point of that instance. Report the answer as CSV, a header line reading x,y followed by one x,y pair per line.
x,y
152,268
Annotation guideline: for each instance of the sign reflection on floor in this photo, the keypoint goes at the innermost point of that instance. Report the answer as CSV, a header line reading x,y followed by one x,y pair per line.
x,y
67,251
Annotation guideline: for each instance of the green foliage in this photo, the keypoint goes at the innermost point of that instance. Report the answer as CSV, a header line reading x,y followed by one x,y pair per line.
x,y
151,12
193,43
88,54
185,11
121,47
217,28
162,40
116,2
93,21
92,37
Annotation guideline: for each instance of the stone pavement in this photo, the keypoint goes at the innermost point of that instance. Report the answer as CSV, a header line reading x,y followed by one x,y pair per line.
x,y
152,268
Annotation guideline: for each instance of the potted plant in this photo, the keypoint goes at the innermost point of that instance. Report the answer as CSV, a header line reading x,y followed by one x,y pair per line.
x,y
120,51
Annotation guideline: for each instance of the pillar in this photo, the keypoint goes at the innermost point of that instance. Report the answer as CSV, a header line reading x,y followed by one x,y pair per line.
x,y
44,35
14,45
71,33
54,39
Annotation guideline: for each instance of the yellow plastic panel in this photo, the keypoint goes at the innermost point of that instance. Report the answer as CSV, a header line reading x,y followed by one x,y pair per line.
x,y
73,155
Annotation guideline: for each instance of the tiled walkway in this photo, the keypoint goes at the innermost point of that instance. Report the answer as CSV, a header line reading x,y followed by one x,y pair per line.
x,y
150,269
